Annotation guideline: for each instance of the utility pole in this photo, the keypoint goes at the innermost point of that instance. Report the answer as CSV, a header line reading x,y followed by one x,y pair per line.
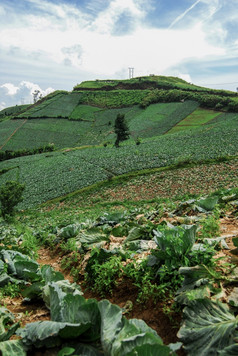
x,y
131,72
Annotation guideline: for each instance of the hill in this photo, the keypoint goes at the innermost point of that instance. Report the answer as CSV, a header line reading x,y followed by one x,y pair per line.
x,y
163,134
151,226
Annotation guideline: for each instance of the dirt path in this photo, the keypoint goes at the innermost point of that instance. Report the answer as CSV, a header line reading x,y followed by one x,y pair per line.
x,y
14,132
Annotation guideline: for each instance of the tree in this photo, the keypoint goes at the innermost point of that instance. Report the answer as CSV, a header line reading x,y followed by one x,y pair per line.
x,y
37,95
10,196
121,129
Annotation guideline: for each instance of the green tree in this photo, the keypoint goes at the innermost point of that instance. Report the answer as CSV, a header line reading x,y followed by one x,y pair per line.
x,y
121,129
10,196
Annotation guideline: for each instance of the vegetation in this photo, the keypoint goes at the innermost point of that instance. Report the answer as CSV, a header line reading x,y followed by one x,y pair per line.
x,y
150,226
10,196
121,129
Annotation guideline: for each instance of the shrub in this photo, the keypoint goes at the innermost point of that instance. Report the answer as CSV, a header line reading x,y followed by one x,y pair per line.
x,y
121,129
10,196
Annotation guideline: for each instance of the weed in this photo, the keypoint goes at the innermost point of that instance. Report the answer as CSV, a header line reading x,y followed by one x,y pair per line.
x,y
10,290
103,276
144,280
210,226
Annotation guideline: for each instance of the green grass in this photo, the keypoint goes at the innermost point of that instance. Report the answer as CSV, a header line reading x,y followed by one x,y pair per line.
x,y
84,112
197,118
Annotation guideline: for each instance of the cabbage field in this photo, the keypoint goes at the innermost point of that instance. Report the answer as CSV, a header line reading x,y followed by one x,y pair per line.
x,y
120,251
50,175
166,251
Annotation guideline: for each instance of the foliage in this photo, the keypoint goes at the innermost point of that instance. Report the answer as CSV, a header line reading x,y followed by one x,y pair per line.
x,y
121,129
102,270
213,329
5,155
10,196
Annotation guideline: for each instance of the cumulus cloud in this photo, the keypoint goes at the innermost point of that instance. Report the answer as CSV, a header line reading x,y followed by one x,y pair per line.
x,y
59,41
11,94
11,89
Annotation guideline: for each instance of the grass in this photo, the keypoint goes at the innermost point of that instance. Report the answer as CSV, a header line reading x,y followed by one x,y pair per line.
x,y
197,118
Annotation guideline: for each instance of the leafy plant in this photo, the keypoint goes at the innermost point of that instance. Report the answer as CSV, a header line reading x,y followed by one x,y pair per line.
x,y
103,274
174,246
212,330
10,196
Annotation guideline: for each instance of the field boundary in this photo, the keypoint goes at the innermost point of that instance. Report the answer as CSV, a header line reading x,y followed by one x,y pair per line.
x,y
14,132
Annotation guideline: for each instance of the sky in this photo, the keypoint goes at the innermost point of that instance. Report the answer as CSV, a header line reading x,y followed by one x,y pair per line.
x,y
55,44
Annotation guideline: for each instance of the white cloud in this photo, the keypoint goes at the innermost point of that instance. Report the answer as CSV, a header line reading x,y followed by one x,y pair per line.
x,y
2,105
186,77
62,43
21,94
106,19
11,89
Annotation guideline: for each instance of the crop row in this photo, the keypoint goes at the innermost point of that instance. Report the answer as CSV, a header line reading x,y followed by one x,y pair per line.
x,y
43,104
50,175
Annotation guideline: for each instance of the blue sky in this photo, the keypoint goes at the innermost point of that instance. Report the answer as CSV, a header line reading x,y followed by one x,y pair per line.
x,y
55,44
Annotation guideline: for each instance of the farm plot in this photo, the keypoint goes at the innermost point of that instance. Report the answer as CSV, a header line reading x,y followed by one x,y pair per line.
x,y
157,119
60,105
12,110
38,132
197,118
165,257
41,105
7,128
84,112
50,175
114,98
167,150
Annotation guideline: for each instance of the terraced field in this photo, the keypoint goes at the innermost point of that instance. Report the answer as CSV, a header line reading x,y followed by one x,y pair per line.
x,y
50,175
197,118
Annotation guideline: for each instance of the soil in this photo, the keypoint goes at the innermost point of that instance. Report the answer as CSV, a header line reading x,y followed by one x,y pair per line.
x,y
165,324
202,179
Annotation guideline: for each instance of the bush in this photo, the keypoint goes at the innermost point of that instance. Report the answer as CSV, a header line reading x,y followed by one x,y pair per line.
x,y
10,196
121,129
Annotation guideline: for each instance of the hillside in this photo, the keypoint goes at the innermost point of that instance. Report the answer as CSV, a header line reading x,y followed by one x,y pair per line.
x,y
112,251
163,134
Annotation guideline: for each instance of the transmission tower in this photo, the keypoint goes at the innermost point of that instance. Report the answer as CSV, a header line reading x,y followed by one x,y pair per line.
x,y
131,72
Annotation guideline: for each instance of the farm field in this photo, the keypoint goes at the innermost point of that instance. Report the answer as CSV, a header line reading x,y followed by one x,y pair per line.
x,y
197,118
135,260
76,169
112,251
95,125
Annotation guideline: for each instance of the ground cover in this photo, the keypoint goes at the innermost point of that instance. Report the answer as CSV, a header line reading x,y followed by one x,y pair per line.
x,y
180,182
194,120
152,259
7,128
12,110
157,119
59,173
41,104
